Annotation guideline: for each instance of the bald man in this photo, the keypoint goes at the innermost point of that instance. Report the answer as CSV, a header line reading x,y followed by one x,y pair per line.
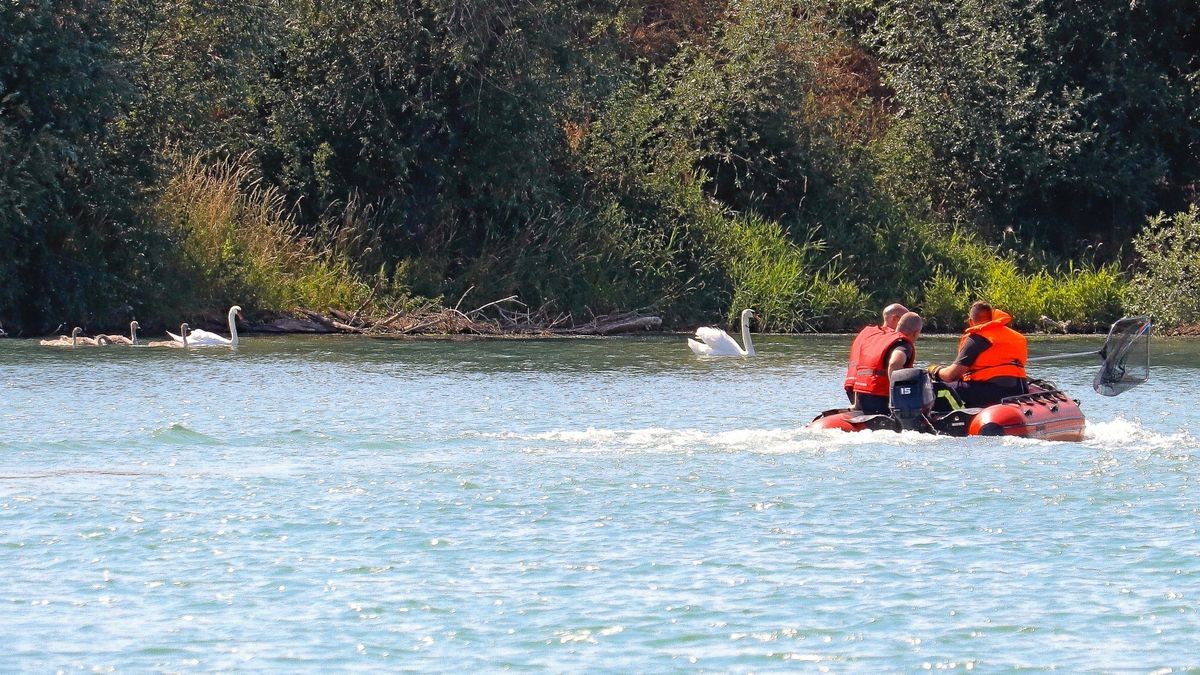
x,y
882,354
890,317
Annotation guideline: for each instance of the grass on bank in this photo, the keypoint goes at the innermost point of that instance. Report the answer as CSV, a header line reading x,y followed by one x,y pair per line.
x,y
241,246
786,281
1081,298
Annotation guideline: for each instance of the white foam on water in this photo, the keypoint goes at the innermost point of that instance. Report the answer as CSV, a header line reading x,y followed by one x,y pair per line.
x,y
1115,434
1122,433
762,441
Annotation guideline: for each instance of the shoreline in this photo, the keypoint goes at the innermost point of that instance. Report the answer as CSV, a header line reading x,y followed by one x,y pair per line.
x,y
444,323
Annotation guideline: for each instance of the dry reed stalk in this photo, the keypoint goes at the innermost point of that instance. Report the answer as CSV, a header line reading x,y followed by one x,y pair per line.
x,y
430,320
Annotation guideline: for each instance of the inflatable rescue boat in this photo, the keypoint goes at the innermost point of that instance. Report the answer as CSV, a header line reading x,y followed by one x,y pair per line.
x,y
1043,413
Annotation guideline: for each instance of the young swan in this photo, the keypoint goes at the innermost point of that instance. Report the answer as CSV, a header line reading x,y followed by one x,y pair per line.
x,y
121,339
71,341
176,341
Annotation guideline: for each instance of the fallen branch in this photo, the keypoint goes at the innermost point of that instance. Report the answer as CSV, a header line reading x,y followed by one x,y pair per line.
x,y
492,318
609,325
315,316
511,298
347,327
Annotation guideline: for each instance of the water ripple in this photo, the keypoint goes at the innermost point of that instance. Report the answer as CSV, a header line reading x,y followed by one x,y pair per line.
x,y
574,505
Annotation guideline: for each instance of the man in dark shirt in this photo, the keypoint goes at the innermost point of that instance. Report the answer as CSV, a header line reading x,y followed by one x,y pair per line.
x,y
990,364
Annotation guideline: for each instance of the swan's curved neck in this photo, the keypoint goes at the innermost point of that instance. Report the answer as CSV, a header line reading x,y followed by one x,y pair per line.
x,y
746,341
233,339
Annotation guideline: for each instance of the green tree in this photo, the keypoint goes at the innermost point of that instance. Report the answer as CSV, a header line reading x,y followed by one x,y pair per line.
x,y
71,245
1167,284
1061,122
1138,64
200,71
447,114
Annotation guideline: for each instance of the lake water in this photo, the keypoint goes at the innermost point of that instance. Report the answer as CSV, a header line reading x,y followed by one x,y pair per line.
x,y
341,503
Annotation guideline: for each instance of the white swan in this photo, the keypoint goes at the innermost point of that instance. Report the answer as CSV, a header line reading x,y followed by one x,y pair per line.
x,y
203,338
121,339
716,342
177,341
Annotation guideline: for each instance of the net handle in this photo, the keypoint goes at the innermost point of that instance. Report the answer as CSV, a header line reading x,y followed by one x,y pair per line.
x,y
1097,352
1055,357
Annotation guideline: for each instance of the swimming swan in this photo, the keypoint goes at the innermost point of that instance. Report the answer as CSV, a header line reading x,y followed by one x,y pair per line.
x,y
177,341
716,342
71,341
203,338
77,340
121,339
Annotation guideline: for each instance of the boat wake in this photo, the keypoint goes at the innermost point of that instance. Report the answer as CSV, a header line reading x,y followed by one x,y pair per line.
x,y
760,441
1122,433
1113,435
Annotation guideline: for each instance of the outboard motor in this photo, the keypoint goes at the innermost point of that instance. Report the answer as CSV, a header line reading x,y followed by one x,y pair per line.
x,y
912,398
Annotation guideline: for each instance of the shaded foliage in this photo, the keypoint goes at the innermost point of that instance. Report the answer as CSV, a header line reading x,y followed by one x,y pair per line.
x,y
1064,121
446,114
691,156
74,248
1168,285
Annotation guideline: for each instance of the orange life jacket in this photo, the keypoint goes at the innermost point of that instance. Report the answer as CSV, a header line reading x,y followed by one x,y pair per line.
x,y
1007,355
856,351
871,376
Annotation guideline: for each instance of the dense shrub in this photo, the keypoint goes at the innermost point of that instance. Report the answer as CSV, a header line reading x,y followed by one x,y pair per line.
x,y
1063,121
1167,284
73,248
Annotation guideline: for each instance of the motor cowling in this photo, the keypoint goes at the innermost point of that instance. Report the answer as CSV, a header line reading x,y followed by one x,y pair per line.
x,y
911,398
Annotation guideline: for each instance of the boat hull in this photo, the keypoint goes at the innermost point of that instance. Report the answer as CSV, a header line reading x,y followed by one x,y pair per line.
x,y
1043,414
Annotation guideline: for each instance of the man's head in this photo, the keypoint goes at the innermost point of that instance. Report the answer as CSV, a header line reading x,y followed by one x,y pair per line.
x,y
892,314
910,325
981,312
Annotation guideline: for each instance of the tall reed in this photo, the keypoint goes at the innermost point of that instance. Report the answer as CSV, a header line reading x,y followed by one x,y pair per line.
x,y
242,245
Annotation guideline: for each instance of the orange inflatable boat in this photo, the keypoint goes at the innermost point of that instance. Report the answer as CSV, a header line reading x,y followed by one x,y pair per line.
x,y
1044,413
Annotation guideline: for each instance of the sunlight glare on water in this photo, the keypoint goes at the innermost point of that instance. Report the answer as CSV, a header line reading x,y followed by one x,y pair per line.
x,y
613,504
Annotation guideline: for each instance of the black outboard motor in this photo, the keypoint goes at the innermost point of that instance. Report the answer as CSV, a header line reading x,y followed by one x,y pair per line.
x,y
912,398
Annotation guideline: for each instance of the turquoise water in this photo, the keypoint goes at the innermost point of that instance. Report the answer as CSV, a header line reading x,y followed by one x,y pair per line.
x,y
618,504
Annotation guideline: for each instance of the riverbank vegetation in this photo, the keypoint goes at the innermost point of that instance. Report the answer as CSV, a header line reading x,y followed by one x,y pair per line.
x,y
685,158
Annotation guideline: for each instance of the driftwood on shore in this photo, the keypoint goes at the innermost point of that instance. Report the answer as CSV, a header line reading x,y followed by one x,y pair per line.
x,y
507,316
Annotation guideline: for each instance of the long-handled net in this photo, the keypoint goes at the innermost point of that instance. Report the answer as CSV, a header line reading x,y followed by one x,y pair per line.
x,y
1126,355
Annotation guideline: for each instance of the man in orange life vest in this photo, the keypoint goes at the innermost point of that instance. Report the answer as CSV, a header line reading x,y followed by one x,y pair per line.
x,y
881,354
891,316
991,360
